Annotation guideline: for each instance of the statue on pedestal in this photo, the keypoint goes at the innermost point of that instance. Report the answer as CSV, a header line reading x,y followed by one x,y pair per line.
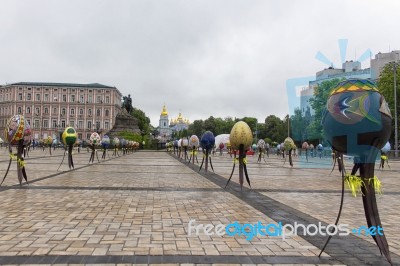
x,y
127,103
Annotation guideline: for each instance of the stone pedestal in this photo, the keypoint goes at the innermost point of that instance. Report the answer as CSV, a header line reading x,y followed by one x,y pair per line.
x,y
124,122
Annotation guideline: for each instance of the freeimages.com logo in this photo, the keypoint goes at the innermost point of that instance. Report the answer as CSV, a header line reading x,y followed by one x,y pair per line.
x,y
260,229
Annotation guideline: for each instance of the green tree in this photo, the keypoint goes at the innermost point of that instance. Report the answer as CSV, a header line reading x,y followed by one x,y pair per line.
x,y
228,125
275,128
143,120
386,87
252,122
209,124
318,103
196,128
298,126
128,135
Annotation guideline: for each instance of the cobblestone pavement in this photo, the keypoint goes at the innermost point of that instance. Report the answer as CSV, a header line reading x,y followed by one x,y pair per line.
x,y
136,209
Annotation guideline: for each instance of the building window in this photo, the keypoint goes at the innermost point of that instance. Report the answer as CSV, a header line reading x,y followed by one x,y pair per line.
x,y
20,96
81,98
19,110
46,110
81,111
36,123
54,123
28,96
64,97
107,99
106,125
45,123
98,124
88,135
80,124
63,124
63,111
89,124
72,111
38,97
73,98
46,97
98,112
55,111
99,99
89,111
79,135
37,111
72,123
90,98
107,112
28,110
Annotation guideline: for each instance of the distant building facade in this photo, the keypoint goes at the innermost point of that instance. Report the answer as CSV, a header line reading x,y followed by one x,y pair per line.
x,y
179,123
167,127
163,126
380,60
349,70
51,107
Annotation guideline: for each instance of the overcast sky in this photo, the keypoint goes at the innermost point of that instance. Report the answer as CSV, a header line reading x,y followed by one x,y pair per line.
x,y
201,58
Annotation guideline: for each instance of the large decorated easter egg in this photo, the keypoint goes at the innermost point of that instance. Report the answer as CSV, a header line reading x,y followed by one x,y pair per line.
x,y
185,142
27,134
288,144
357,118
48,140
105,142
304,145
241,134
123,142
116,142
261,144
15,129
194,141
207,140
69,136
94,139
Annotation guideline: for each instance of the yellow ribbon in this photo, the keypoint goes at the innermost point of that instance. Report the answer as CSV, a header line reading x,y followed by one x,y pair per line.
x,y
236,160
354,183
193,152
21,162
384,157
376,183
13,157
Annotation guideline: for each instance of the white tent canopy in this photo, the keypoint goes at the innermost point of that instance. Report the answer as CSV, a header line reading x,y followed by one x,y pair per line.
x,y
224,138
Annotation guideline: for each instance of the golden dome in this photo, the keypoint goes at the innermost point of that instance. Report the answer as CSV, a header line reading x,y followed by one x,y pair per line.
x,y
180,118
164,111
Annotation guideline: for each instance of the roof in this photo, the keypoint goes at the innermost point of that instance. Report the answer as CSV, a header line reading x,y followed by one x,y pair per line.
x,y
50,84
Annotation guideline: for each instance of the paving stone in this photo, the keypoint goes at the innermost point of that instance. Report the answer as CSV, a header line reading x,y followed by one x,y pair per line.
x,y
140,205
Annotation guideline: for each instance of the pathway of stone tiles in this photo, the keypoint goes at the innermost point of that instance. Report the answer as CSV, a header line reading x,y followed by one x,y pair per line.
x,y
136,209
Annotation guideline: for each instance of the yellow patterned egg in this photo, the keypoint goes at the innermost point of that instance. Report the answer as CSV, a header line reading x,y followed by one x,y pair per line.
x,y
289,144
48,140
241,134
